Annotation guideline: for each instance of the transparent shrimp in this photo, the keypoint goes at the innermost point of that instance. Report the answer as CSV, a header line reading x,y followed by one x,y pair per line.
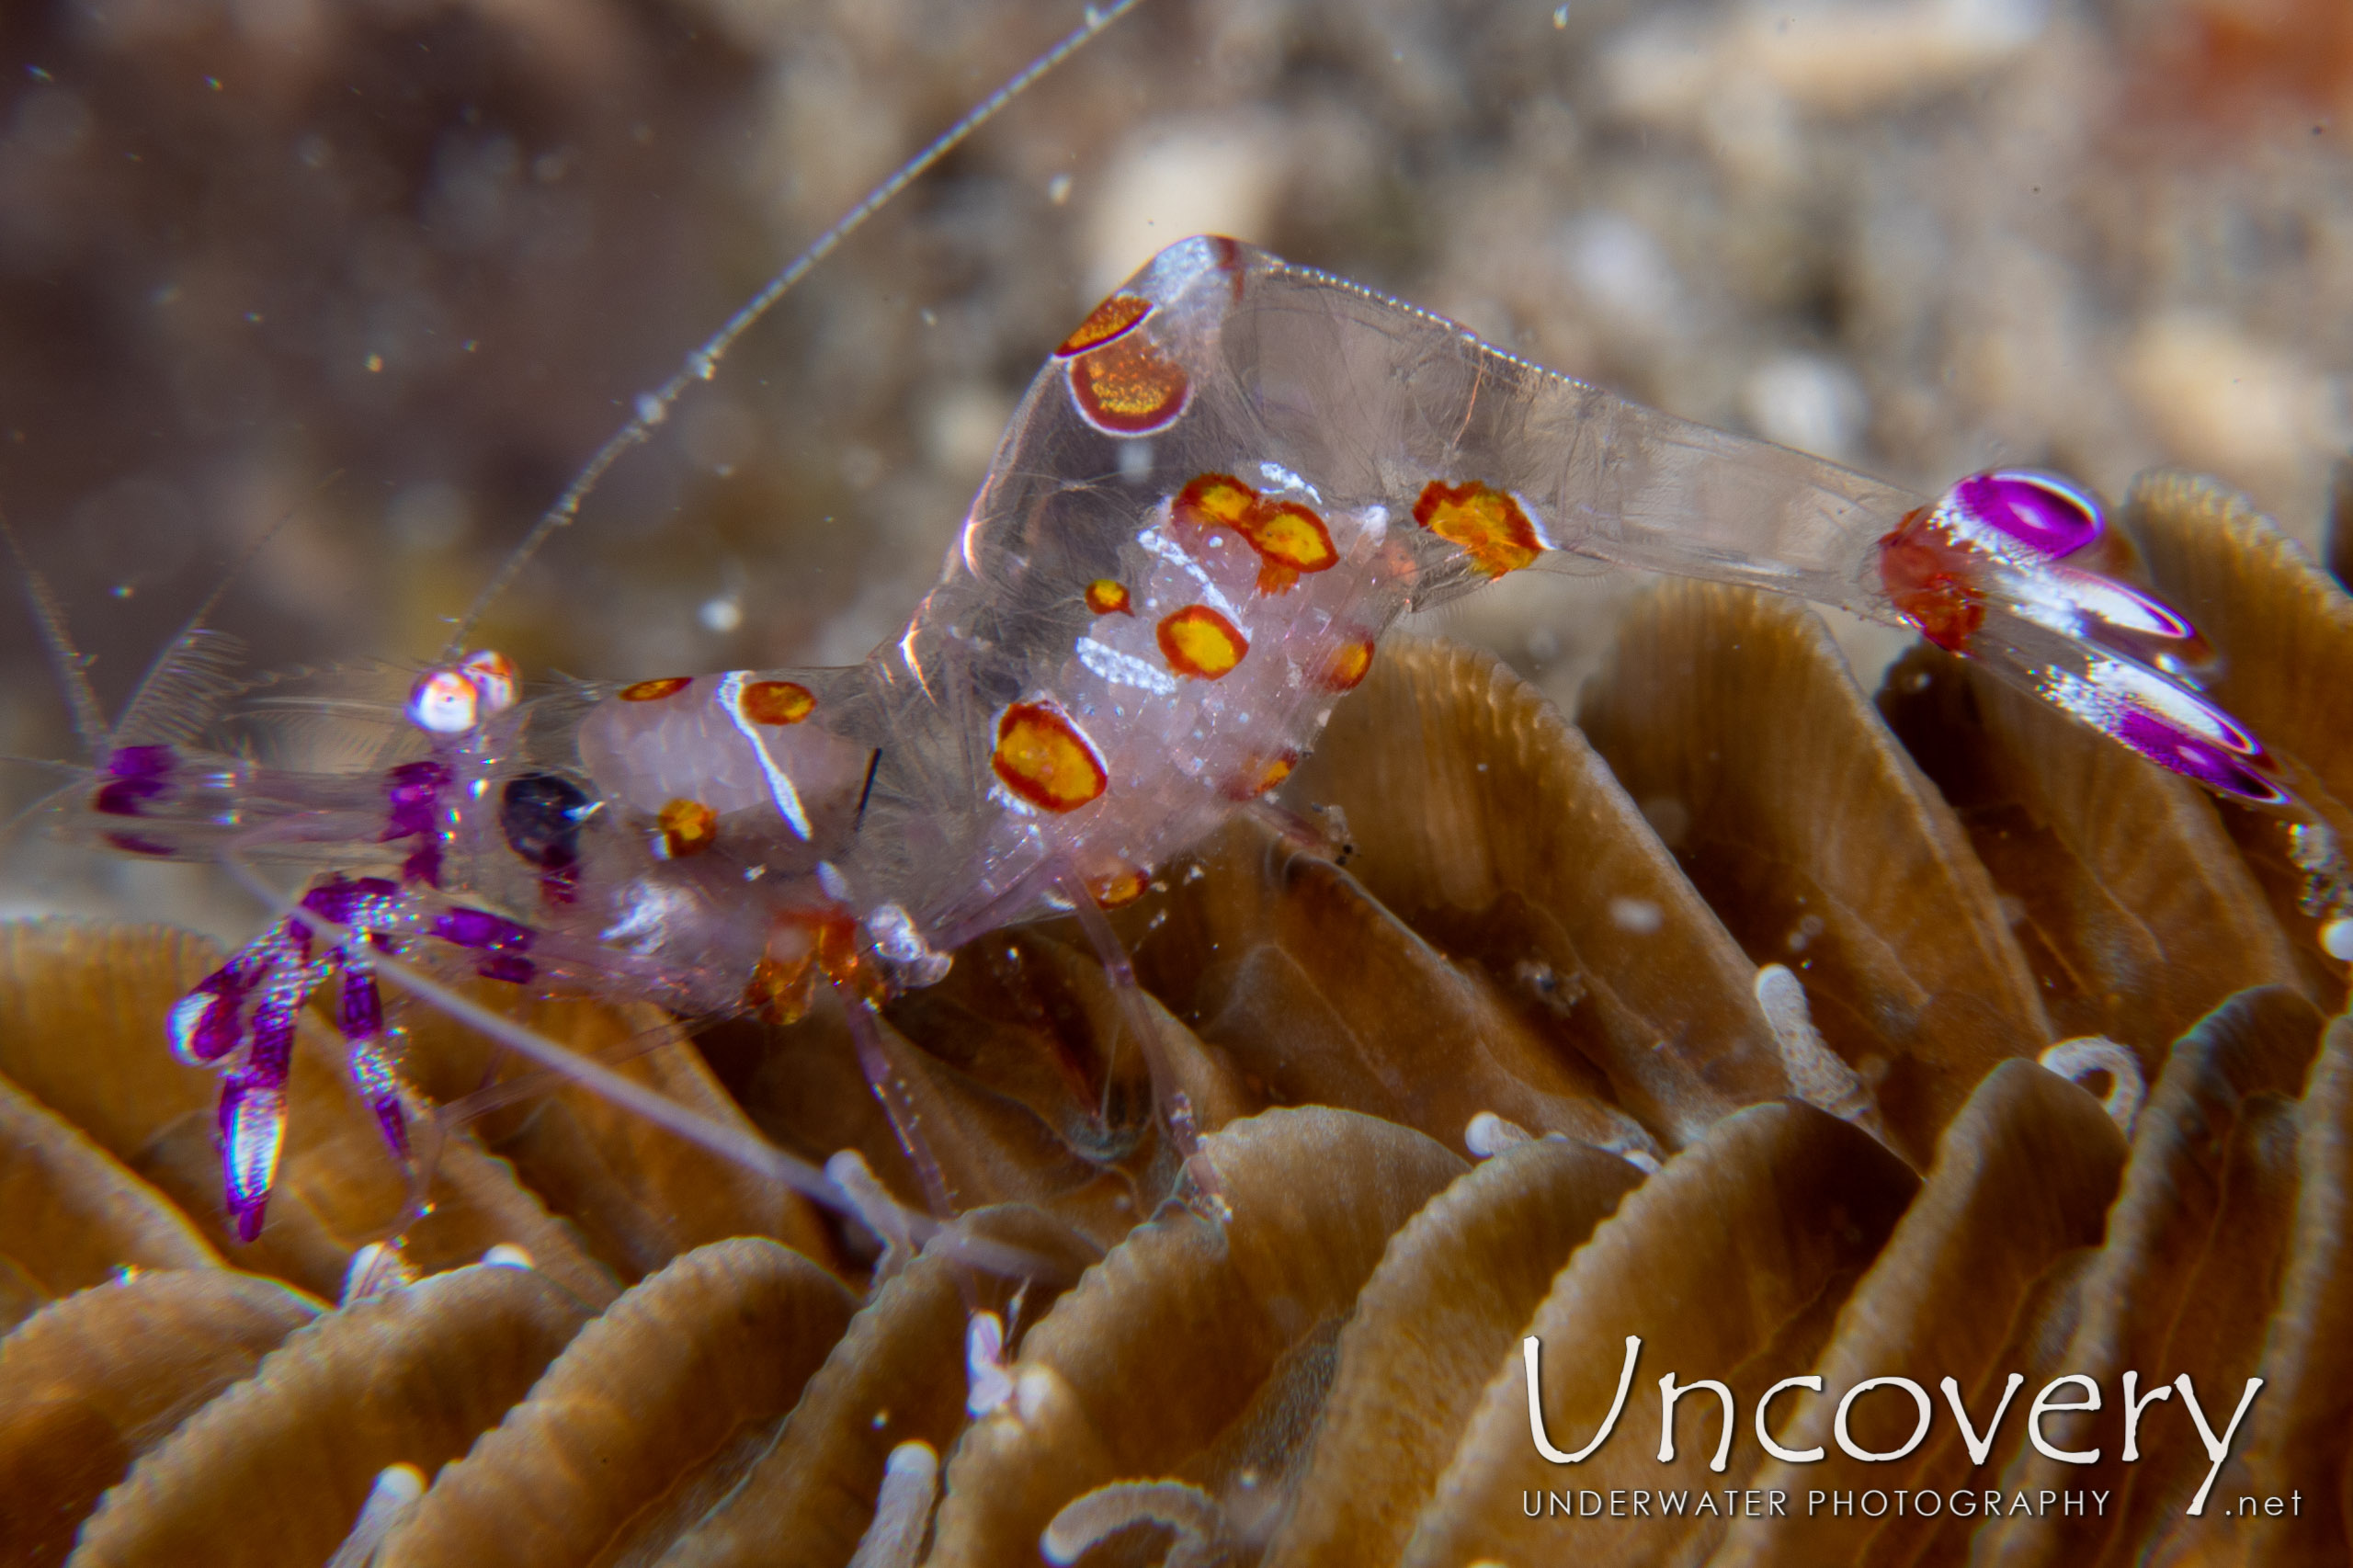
x,y
1220,492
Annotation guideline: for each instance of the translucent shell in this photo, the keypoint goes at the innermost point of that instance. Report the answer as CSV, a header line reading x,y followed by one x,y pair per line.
x,y
1046,759
687,827
654,690
1199,643
1487,523
1105,596
1114,317
777,702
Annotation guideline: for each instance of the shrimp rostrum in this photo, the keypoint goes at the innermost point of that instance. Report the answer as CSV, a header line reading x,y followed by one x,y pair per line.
x,y
1216,496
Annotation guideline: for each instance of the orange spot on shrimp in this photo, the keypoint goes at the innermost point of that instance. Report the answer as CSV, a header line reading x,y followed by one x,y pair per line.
x,y
1199,643
1347,666
778,702
1046,759
1129,387
1215,501
1118,886
1930,577
1290,540
1484,521
655,690
779,991
1114,317
1259,778
842,955
1107,595
803,944
688,827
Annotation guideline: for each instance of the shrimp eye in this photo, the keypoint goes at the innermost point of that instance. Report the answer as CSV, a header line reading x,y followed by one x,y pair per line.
x,y
540,814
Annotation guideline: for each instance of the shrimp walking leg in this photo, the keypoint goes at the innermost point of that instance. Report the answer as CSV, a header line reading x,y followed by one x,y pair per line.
x,y
1173,1106
890,1090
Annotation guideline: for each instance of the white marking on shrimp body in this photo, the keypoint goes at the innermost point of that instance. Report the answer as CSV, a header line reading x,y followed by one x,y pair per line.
x,y
1177,555
1283,478
780,789
1124,669
651,908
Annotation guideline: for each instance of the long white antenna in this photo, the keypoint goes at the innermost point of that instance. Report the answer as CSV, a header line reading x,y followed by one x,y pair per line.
x,y
655,406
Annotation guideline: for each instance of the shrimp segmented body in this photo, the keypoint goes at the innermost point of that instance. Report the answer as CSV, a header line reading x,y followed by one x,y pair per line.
x,y
1218,492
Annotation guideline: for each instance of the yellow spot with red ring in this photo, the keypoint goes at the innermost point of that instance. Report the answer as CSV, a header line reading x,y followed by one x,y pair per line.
x,y
1114,317
1118,886
1199,643
777,702
1260,777
1046,759
1347,666
1216,501
1129,387
1484,521
1290,540
655,690
688,827
1107,595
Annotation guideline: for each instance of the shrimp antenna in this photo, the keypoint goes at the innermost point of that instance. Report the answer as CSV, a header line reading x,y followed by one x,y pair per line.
x,y
655,406
73,666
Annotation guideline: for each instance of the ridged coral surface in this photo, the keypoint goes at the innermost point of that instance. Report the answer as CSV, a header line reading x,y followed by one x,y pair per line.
x,y
1713,1018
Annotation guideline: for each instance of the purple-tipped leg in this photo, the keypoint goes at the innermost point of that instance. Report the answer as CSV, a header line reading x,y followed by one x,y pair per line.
x,y
363,1039
241,1018
253,1125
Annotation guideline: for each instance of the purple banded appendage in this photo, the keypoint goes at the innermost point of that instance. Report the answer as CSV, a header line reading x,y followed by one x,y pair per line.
x,y
361,1019
253,1098
501,941
241,1018
134,777
413,794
